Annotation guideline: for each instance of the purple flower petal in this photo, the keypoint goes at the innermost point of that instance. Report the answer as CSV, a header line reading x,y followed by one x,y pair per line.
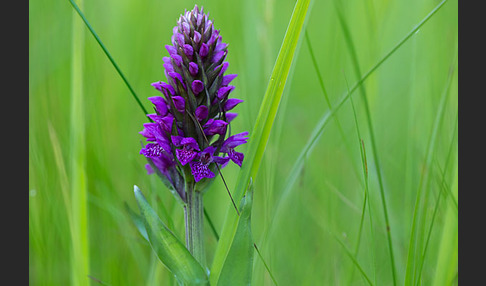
x,y
176,76
160,104
185,155
234,141
202,112
180,39
190,142
172,50
197,37
177,59
186,28
197,86
179,103
217,56
231,103
236,157
223,68
203,51
193,68
230,116
216,127
224,91
200,171
188,50
228,78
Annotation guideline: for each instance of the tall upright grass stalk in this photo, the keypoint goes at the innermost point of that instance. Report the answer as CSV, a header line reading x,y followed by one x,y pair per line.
x,y
437,203
261,131
425,178
78,182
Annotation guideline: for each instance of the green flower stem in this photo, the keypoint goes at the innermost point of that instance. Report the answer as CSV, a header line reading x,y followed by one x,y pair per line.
x,y
194,219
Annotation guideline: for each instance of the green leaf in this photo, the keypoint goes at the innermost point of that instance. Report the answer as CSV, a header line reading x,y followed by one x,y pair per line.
x,y
171,252
237,268
260,133
138,221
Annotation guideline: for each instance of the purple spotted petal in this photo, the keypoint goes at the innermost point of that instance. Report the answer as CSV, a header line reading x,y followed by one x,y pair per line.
x,y
231,103
200,171
197,86
185,155
236,157
202,112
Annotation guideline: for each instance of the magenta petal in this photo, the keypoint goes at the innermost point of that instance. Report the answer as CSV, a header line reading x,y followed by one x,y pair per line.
x,y
193,68
177,59
160,104
188,50
231,103
172,50
203,51
185,156
224,91
228,78
197,86
179,103
217,56
200,171
197,37
202,112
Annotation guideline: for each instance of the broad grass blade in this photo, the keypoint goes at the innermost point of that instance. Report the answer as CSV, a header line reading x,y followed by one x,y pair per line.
x,y
171,252
261,132
237,269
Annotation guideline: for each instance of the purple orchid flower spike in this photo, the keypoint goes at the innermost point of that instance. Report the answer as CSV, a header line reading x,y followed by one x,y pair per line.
x,y
193,112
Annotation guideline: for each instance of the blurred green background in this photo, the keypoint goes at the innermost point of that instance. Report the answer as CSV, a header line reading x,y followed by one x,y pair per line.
x,y
84,124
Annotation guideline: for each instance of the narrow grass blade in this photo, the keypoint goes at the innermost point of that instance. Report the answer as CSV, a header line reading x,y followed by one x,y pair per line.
x,y
171,252
237,268
78,177
351,47
261,131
